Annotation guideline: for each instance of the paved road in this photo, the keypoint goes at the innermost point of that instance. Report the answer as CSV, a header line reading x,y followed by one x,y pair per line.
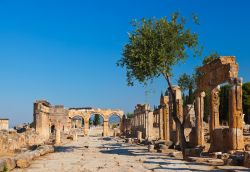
x,y
91,154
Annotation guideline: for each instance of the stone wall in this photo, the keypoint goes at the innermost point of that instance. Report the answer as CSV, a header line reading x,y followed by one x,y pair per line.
x,y
11,141
4,124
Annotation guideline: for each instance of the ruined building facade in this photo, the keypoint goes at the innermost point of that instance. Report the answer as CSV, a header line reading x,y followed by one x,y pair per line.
x,y
159,123
48,118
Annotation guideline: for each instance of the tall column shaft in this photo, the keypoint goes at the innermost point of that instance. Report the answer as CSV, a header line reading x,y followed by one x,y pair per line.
x,y
199,102
236,140
105,128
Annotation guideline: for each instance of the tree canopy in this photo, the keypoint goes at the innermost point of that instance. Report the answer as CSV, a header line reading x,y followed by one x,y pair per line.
x,y
210,58
155,45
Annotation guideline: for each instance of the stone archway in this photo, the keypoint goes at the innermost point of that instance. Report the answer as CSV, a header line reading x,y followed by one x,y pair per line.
x,y
96,129
115,124
219,71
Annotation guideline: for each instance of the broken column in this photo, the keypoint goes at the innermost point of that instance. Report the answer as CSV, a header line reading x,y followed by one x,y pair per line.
x,y
236,140
215,103
58,136
105,127
165,115
179,108
199,103
139,136
214,123
86,126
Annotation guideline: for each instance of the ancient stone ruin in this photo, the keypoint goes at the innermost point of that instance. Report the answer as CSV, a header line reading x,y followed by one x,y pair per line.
x,y
48,118
158,124
4,124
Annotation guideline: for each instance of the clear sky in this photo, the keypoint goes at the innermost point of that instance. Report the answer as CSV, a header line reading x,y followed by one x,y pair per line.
x,y
65,51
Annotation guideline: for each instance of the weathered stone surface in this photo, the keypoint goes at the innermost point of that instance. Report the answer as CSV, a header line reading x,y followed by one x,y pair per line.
x,y
151,148
210,161
193,152
23,160
236,159
247,147
10,141
10,163
2,165
247,159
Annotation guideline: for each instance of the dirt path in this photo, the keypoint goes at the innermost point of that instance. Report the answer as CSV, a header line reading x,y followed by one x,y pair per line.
x,y
91,154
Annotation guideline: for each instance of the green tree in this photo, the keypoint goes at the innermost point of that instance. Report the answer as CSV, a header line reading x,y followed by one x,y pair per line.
x,y
129,115
187,83
97,120
210,58
154,47
246,99
224,103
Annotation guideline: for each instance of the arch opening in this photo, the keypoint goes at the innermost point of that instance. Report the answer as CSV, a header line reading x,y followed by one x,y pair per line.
x,y
114,123
77,122
96,127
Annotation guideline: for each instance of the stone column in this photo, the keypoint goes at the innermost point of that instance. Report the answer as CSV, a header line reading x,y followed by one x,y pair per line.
x,y
161,122
215,104
199,103
180,116
105,128
236,139
166,125
58,134
179,106
150,125
86,126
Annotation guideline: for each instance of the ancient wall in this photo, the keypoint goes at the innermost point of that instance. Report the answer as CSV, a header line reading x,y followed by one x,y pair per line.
x,y
4,124
11,141
142,121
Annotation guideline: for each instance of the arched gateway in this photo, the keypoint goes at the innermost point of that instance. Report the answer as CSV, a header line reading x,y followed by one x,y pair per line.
x,y
87,112
64,118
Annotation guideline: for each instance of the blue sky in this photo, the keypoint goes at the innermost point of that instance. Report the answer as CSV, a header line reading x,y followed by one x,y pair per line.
x,y
65,51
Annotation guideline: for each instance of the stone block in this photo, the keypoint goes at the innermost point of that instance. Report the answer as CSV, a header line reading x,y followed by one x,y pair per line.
x,y
193,152
247,159
247,147
10,163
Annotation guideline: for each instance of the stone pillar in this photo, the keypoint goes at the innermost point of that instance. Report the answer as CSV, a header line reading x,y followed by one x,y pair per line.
x,y
215,104
166,120
86,127
58,136
180,116
105,128
236,139
75,136
139,136
199,103
171,121
161,123
214,122
179,106
150,125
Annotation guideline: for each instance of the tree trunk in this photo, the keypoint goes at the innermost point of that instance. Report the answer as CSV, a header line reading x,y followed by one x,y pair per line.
x,y
179,125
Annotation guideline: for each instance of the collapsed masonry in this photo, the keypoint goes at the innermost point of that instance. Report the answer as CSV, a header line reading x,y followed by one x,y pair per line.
x,y
159,124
